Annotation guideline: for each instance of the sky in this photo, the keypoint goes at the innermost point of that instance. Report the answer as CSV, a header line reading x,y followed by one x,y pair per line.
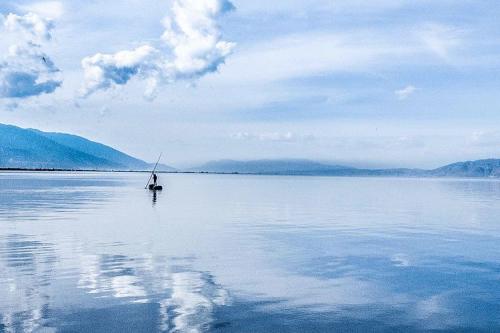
x,y
379,83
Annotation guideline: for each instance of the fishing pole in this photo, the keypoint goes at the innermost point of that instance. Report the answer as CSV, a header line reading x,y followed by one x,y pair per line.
x,y
152,172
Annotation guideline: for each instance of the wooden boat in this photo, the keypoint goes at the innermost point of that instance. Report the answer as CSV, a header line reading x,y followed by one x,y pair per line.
x,y
152,187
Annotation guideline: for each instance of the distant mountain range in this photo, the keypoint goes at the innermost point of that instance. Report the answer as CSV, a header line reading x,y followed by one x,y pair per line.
x,y
480,168
34,149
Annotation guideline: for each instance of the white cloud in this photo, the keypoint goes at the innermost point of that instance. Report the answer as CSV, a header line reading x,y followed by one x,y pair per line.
x,y
439,39
195,48
338,6
102,71
405,92
272,136
350,50
195,36
34,27
316,53
50,9
25,69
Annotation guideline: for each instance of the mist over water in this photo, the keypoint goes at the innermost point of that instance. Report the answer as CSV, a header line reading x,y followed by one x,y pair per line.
x,y
95,252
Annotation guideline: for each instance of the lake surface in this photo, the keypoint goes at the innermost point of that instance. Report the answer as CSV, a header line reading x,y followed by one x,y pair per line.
x,y
95,252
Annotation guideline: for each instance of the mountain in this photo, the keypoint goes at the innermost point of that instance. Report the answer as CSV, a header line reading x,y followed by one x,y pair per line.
x,y
297,167
287,166
34,149
95,149
479,168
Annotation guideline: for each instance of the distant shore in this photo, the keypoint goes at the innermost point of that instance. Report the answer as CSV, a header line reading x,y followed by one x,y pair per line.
x,y
303,174
127,171
77,170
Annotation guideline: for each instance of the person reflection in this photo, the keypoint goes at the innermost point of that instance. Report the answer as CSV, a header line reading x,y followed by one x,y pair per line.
x,y
154,198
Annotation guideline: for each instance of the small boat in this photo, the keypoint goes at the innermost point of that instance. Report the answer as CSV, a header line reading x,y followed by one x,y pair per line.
x,y
152,187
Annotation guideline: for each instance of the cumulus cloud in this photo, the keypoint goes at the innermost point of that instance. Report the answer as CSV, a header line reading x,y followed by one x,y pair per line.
x,y
105,70
25,70
195,36
405,92
191,46
33,26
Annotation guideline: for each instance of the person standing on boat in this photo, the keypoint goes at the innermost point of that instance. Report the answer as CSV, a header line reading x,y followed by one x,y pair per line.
x,y
155,179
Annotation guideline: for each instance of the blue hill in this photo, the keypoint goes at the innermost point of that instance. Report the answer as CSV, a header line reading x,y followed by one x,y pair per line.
x,y
287,166
95,149
34,149
479,168
297,167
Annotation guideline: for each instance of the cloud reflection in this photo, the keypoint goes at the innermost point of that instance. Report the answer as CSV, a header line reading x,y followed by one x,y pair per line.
x,y
25,273
194,298
187,298
183,299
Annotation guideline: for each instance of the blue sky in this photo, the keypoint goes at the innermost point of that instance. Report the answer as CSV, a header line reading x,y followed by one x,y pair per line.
x,y
367,83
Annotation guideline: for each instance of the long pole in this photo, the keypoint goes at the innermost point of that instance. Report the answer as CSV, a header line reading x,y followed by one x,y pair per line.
x,y
152,172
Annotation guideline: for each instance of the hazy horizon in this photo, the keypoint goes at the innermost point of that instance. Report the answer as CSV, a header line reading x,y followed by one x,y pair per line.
x,y
353,163
391,83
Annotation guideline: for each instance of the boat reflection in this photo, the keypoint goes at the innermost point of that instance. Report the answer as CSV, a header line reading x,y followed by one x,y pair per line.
x,y
155,197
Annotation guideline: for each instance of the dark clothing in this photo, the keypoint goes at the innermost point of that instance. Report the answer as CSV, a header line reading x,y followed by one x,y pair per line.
x,y
155,178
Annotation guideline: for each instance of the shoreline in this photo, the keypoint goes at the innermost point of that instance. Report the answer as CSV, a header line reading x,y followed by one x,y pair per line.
x,y
421,176
128,171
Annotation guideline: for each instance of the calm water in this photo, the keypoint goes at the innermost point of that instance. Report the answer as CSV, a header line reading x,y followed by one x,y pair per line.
x,y
97,253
